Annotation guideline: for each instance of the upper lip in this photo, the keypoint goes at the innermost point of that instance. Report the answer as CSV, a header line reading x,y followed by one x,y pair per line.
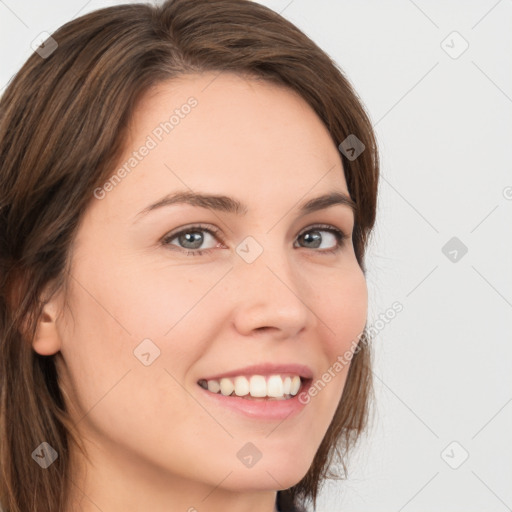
x,y
266,369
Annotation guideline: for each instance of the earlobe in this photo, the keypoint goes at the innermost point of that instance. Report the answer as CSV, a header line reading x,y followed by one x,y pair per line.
x,y
47,339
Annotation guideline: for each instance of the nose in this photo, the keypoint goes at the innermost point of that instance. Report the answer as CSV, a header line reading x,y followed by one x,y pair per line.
x,y
269,296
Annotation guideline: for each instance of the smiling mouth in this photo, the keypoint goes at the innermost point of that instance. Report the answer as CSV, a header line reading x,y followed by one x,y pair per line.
x,y
257,387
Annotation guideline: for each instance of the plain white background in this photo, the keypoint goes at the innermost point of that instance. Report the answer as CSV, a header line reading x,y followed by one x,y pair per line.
x,y
436,79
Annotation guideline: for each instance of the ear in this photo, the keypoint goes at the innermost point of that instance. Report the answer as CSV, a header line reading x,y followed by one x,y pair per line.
x,y
47,339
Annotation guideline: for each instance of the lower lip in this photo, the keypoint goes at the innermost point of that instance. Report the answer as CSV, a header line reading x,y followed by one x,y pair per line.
x,y
261,409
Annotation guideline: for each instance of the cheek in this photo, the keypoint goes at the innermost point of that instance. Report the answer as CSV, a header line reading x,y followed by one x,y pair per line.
x,y
341,304
156,299
115,306
95,345
103,379
345,306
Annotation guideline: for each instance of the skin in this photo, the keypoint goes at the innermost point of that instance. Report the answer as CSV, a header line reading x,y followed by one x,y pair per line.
x,y
154,442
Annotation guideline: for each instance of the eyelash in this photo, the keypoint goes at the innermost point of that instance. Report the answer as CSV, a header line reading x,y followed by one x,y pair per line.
x,y
340,235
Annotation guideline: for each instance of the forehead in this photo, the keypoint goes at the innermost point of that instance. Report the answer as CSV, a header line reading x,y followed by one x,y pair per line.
x,y
228,134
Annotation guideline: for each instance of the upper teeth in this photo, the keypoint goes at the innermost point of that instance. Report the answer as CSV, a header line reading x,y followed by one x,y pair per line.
x,y
256,385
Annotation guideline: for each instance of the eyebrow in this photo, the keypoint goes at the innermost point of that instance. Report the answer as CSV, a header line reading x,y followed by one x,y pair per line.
x,y
228,204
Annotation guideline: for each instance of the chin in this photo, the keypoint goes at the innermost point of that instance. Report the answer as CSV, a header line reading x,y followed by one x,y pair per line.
x,y
279,476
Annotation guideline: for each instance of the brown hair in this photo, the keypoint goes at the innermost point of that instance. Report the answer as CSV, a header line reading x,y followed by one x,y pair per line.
x,y
63,121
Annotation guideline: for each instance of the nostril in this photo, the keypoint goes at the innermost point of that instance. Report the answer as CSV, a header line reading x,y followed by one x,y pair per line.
x,y
263,329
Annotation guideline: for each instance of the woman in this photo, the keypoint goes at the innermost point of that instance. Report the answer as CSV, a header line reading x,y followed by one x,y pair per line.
x,y
186,197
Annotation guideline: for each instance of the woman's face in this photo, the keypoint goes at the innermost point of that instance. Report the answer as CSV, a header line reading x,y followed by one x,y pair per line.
x,y
149,315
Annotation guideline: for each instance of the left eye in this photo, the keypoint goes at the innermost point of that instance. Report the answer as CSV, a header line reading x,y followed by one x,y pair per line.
x,y
191,239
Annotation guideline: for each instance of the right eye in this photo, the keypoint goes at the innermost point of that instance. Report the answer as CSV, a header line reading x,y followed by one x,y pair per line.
x,y
191,239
